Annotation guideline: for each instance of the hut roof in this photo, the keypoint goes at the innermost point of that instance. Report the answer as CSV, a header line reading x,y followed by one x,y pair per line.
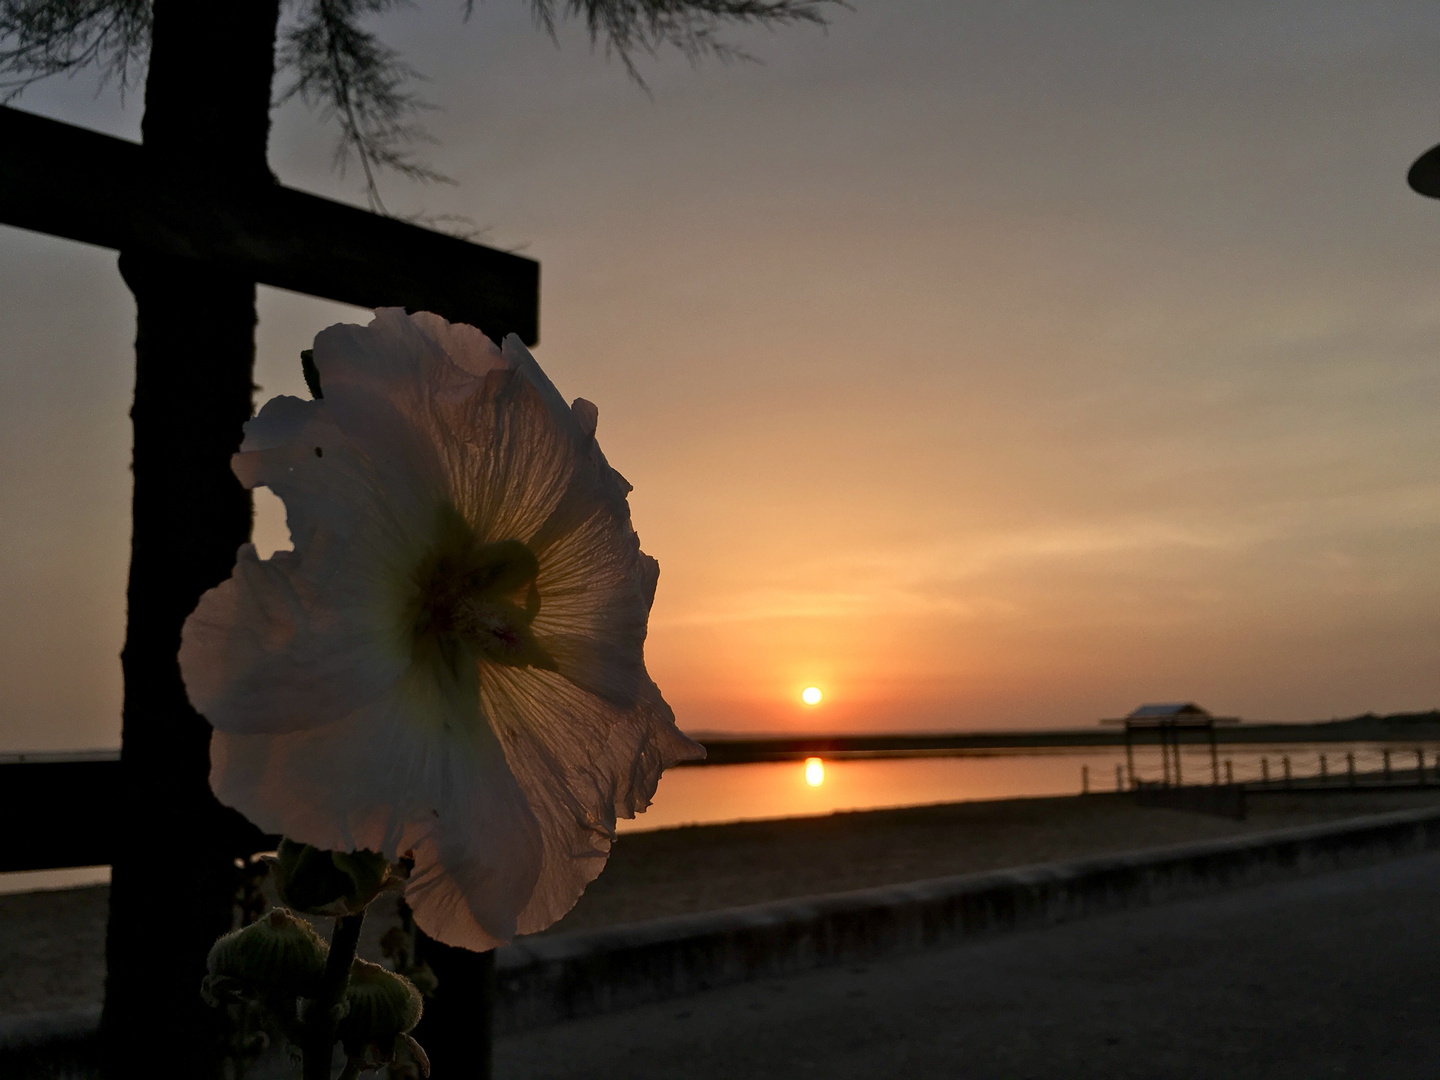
x,y
1184,708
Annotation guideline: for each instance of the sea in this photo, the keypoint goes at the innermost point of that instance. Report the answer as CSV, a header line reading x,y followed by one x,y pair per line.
x,y
714,794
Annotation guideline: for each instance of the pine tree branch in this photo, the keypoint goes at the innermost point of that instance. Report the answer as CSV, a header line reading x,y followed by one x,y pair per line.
x,y
694,27
57,37
345,72
353,79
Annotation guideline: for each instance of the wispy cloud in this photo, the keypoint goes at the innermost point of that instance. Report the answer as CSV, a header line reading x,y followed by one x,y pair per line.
x,y
985,576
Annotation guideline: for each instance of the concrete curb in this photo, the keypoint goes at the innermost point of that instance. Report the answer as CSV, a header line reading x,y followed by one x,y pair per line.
x,y
544,980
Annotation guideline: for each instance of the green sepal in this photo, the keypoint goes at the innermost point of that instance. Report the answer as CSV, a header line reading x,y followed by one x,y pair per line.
x,y
320,882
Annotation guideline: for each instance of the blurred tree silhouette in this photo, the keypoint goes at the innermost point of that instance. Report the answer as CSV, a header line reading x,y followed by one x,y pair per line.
x,y
210,68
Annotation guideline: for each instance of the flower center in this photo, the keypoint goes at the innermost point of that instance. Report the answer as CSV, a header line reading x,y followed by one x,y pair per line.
x,y
474,599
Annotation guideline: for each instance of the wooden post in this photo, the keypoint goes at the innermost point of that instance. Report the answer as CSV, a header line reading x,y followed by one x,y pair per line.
x,y
207,114
1265,770
1214,758
455,1029
1324,772
1285,761
1119,778
1175,734
1084,779
1420,766
1229,771
1350,766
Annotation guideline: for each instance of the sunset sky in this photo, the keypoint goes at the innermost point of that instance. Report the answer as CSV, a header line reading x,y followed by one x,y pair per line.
x,y
984,365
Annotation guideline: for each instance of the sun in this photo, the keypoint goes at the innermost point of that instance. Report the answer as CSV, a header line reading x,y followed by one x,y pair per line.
x,y
811,695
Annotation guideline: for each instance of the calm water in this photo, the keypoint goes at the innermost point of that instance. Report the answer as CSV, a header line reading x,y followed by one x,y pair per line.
x,y
712,794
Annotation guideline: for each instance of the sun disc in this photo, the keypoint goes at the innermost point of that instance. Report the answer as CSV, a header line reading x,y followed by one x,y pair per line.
x,y
814,771
811,695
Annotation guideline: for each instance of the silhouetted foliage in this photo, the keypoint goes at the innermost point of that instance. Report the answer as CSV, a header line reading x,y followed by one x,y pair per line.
x,y
342,69
54,37
692,26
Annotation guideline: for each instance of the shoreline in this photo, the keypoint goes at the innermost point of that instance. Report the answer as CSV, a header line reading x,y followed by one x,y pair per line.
x,y
722,749
1401,729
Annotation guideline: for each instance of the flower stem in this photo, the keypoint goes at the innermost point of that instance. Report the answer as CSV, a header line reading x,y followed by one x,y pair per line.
x,y
318,1044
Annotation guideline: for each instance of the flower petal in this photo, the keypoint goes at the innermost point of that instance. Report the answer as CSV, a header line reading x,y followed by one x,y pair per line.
x,y
392,781
581,762
259,654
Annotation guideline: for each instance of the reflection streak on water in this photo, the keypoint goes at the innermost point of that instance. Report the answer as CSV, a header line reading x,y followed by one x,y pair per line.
x,y
717,793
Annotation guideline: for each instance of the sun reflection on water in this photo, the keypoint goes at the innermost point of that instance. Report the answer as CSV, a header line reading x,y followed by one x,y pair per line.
x,y
814,771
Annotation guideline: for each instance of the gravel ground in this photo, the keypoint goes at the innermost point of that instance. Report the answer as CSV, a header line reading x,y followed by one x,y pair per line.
x,y
52,943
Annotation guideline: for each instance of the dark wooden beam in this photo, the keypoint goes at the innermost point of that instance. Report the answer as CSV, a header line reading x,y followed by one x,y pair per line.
x,y
60,811
57,807
65,181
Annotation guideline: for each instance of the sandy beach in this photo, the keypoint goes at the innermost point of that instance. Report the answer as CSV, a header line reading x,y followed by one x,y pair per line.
x,y
52,943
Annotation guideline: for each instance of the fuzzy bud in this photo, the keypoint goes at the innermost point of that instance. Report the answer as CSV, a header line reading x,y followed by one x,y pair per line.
x,y
382,1006
280,952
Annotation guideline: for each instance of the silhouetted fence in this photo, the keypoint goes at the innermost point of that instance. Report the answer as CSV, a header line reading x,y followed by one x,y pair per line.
x,y
1322,770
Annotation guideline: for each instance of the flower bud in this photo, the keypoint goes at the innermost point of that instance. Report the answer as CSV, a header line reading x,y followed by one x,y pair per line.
x,y
280,952
410,1061
382,1006
320,882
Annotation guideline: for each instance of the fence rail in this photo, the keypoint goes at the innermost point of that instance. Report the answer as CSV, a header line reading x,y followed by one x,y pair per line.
x,y
59,807
1372,770
1361,770
62,810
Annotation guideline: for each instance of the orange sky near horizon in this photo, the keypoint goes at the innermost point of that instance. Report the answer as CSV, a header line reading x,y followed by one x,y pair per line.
x,y
982,365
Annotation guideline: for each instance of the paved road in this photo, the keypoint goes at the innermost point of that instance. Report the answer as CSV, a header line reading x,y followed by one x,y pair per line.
x,y
1333,976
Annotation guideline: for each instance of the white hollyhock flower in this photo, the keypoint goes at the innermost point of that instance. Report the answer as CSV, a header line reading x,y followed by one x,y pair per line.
x,y
450,660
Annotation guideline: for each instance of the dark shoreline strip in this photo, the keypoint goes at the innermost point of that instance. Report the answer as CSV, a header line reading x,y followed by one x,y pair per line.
x,y
730,750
